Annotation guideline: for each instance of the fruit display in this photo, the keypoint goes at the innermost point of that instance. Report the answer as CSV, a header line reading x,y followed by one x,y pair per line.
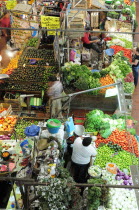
x,y
39,53
12,65
20,127
33,42
7,123
43,62
36,74
24,86
122,159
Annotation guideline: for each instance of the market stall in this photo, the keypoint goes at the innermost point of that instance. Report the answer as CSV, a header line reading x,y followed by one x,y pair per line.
x,y
35,150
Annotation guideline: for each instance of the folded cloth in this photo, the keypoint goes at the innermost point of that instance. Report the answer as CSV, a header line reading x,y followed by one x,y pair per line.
x,y
32,130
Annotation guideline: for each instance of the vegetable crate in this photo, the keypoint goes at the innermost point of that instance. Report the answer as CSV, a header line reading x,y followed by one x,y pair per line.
x,y
11,99
7,111
82,4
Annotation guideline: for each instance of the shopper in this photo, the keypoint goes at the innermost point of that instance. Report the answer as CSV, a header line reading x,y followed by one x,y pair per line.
x,y
135,65
82,152
91,42
5,23
55,90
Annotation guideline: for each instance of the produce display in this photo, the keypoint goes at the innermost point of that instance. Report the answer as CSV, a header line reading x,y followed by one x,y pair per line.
x,y
33,42
94,171
122,159
25,86
42,62
80,77
97,121
122,138
117,40
20,126
107,80
127,52
36,74
39,53
12,65
7,123
97,195
120,198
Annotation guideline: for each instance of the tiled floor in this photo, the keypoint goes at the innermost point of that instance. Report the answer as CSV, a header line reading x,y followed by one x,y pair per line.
x,y
135,96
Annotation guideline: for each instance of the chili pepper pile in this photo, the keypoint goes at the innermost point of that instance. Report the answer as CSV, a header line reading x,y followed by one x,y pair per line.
x,y
127,52
123,138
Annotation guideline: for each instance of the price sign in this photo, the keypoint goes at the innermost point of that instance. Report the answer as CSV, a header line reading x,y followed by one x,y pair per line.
x,y
50,22
11,4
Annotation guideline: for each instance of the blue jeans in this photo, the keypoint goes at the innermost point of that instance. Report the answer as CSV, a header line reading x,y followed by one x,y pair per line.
x,y
135,74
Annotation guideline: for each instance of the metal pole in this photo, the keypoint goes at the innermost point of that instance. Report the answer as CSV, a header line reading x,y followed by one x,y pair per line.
x,y
89,90
88,185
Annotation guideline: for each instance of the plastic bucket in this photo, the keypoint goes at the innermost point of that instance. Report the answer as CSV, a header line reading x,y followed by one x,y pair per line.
x,y
79,130
53,128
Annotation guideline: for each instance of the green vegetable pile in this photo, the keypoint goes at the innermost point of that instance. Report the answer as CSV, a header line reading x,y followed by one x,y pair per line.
x,y
97,195
122,160
95,122
20,127
129,87
32,42
115,147
119,68
80,77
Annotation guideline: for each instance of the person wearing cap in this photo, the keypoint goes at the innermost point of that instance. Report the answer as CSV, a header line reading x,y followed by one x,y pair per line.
x,y
91,42
55,90
83,150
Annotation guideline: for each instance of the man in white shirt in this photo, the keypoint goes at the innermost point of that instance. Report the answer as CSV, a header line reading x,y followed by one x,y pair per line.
x,y
55,91
82,152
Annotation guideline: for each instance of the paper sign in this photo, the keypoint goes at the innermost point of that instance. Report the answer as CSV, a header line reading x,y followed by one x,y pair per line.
x,y
11,4
111,92
50,22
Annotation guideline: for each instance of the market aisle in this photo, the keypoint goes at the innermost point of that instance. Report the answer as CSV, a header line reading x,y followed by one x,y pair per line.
x,y
135,96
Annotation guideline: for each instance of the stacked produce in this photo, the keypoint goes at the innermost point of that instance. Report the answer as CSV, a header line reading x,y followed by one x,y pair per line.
x,y
12,65
120,198
127,52
107,80
7,123
31,73
20,127
123,138
97,195
117,40
97,121
32,70
81,78
33,42
120,68
112,130
122,159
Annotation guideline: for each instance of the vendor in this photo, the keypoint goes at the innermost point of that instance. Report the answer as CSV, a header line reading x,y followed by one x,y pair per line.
x,y
5,23
135,65
91,42
82,152
55,90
